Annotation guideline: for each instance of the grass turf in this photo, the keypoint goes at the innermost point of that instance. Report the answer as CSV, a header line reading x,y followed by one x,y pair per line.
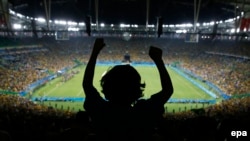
x,y
149,74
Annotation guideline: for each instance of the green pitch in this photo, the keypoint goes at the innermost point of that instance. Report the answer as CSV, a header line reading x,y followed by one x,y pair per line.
x,y
149,74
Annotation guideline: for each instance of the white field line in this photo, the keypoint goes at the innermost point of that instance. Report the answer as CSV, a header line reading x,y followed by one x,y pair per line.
x,y
56,87
78,94
186,84
49,92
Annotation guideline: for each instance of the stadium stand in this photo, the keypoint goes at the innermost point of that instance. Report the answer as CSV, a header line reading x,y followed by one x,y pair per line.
x,y
229,74
22,119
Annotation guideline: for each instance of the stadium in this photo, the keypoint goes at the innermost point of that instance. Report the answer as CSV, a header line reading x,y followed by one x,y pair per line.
x,y
46,44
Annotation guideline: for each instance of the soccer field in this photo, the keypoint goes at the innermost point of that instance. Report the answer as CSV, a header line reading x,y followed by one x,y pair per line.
x,y
183,89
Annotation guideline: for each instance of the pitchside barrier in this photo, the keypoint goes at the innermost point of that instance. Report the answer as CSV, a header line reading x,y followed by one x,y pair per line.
x,y
79,99
8,92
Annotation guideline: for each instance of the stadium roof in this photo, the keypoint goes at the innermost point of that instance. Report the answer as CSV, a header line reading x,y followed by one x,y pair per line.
x,y
133,11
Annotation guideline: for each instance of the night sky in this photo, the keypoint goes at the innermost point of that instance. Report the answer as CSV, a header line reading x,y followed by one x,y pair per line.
x,y
126,11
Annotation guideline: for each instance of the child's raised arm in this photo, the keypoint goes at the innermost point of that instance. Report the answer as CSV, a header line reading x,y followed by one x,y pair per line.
x,y
166,84
87,82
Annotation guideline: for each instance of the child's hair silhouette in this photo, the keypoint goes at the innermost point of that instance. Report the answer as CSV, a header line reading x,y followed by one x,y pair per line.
x,y
122,84
123,114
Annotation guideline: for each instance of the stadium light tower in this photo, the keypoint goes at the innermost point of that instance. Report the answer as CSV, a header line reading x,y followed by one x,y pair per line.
x,y
96,13
88,25
196,12
147,14
4,9
47,7
159,26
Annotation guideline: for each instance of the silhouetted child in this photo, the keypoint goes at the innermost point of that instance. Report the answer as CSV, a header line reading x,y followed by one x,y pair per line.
x,y
123,115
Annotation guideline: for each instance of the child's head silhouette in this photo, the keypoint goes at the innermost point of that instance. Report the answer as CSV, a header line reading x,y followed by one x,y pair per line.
x,y
122,84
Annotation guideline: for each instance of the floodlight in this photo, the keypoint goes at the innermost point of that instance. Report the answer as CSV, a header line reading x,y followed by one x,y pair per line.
x,y
229,20
189,25
164,25
122,25
171,26
181,31
238,30
71,23
232,30
17,26
82,24
73,29
211,23
12,12
102,25
151,25
42,20
60,22
19,15
134,25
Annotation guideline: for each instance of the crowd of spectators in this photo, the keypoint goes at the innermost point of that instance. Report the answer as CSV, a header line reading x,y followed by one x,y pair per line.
x,y
21,118
229,73
25,120
18,70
